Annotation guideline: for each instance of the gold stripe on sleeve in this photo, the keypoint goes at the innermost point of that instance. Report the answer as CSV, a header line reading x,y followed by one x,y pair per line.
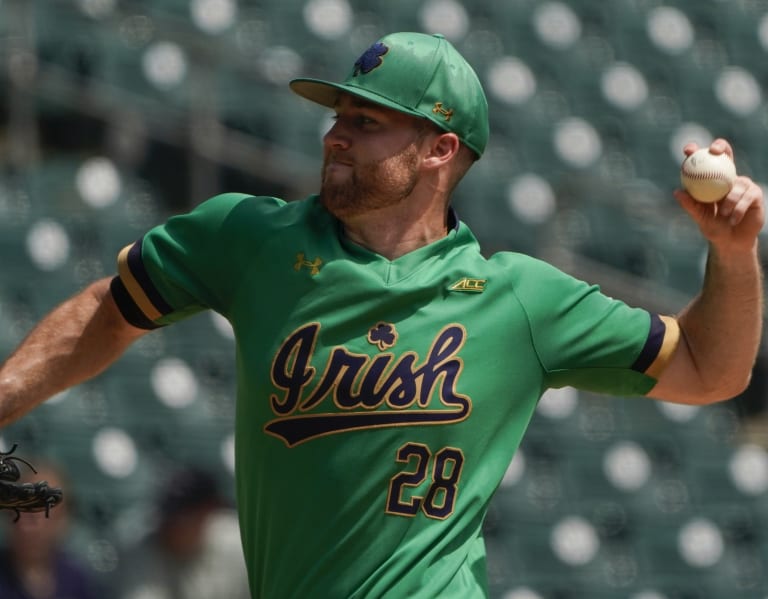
x,y
133,287
668,347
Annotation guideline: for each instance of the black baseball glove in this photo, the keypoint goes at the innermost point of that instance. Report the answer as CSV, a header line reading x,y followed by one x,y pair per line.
x,y
24,497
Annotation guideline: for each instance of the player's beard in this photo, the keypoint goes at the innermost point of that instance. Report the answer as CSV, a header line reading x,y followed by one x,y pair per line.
x,y
371,185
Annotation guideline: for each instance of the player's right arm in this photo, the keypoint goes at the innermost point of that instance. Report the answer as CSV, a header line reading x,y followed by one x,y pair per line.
x,y
721,328
76,341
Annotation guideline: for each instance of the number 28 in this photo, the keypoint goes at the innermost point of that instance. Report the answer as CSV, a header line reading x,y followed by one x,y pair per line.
x,y
444,471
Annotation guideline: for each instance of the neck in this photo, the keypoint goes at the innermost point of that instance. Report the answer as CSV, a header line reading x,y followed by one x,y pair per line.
x,y
395,231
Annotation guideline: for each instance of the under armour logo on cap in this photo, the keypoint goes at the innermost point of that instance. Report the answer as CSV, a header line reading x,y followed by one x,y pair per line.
x,y
438,109
370,59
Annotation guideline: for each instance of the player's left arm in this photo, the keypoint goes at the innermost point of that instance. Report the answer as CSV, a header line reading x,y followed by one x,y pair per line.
x,y
720,329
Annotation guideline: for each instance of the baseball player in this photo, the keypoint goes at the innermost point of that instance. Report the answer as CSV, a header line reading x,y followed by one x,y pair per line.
x,y
386,369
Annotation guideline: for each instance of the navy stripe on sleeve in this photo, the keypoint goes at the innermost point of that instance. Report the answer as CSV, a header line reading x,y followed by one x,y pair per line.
x,y
139,272
652,344
128,308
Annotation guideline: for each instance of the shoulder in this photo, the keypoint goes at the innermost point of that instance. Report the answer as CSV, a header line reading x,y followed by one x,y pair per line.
x,y
540,287
237,216
265,211
523,269
224,205
510,271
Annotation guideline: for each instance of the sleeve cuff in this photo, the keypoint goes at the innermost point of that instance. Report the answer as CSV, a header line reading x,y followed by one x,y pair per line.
x,y
663,337
128,308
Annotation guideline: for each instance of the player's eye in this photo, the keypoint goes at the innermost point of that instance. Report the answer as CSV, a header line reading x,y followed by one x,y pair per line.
x,y
358,120
366,121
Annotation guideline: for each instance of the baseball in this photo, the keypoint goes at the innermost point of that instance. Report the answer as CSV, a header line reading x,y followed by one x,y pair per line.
x,y
707,177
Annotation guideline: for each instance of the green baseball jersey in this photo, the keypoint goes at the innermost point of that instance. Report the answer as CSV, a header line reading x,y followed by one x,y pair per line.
x,y
379,401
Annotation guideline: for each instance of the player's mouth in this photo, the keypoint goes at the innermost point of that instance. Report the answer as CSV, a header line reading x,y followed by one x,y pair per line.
x,y
339,163
334,164
336,159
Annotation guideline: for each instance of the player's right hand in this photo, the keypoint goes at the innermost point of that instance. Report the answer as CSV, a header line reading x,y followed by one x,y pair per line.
x,y
733,224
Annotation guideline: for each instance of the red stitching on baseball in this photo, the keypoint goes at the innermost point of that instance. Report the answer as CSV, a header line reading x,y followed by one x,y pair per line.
x,y
707,175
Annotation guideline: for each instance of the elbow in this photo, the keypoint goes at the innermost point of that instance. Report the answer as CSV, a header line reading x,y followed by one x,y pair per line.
x,y
723,388
739,385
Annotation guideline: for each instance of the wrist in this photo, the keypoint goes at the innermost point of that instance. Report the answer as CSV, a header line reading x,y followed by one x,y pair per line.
x,y
734,265
734,251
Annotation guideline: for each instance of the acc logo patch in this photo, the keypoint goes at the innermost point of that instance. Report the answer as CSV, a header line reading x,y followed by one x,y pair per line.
x,y
469,285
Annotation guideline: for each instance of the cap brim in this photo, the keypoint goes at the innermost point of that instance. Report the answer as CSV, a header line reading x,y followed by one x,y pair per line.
x,y
326,93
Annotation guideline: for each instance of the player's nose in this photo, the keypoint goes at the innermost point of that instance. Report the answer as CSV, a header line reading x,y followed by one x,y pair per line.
x,y
337,137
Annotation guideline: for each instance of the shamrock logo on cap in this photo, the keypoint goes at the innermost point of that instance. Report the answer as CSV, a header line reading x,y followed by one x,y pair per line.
x,y
370,59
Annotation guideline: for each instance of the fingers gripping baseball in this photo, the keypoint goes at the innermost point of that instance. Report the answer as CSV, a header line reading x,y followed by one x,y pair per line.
x,y
734,221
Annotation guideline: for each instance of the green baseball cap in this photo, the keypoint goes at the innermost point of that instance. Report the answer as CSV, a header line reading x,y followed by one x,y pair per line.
x,y
418,74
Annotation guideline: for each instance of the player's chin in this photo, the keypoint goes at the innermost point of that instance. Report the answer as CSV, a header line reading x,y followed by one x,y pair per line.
x,y
336,200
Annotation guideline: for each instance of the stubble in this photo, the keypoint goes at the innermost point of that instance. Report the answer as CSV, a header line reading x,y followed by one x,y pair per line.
x,y
372,185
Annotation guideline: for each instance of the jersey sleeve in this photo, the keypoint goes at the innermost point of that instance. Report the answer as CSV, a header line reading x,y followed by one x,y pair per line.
x,y
585,339
190,263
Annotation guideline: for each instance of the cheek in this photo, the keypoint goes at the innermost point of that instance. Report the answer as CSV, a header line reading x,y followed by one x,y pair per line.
x,y
403,165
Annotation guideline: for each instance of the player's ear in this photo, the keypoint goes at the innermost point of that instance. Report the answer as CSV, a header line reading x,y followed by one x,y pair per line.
x,y
442,149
